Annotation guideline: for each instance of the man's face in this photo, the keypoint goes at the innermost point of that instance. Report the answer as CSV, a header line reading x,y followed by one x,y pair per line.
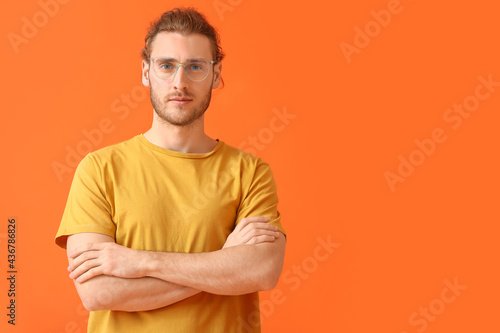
x,y
197,94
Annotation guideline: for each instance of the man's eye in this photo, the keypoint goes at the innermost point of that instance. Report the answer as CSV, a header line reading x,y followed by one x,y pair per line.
x,y
166,66
195,67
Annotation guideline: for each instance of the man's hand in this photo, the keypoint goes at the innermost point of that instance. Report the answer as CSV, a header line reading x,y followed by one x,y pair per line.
x,y
115,260
105,259
252,230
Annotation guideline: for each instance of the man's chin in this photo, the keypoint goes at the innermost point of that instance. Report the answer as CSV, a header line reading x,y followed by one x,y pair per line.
x,y
179,121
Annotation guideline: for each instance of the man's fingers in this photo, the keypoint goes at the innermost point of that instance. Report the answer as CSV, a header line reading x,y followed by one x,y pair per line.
x,y
262,239
84,267
259,234
251,228
83,249
265,226
247,220
93,272
82,258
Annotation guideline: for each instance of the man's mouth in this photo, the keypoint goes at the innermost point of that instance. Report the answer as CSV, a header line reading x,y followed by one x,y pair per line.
x,y
180,100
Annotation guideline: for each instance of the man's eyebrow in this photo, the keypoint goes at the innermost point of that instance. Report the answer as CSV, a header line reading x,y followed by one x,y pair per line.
x,y
175,60
167,59
196,59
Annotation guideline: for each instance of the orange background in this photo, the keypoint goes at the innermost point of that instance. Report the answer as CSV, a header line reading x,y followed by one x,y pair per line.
x,y
352,122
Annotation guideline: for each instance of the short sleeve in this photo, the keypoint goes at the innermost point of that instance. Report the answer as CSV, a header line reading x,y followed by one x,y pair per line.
x,y
87,208
261,198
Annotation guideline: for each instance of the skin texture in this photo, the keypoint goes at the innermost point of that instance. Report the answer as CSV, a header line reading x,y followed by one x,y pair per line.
x,y
109,276
189,137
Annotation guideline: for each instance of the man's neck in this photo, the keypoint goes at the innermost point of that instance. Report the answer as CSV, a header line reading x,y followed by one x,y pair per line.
x,y
186,139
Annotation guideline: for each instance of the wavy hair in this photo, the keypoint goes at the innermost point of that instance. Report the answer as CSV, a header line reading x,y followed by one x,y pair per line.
x,y
185,20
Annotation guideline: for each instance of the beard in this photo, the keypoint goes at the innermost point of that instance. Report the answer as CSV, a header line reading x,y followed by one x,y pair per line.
x,y
179,115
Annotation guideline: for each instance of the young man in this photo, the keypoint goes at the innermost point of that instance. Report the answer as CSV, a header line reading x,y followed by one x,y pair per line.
x,y
172,231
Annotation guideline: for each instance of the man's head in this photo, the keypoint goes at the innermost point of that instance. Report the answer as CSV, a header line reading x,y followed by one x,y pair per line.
x,y
179,37
184,21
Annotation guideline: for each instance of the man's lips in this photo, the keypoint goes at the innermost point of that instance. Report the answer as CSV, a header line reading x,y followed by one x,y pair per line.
x,y
179,99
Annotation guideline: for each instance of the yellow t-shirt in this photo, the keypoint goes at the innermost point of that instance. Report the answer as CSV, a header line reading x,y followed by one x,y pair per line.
x,y
150,198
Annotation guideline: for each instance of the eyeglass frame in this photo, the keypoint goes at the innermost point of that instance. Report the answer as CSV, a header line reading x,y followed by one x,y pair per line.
x,y
183,64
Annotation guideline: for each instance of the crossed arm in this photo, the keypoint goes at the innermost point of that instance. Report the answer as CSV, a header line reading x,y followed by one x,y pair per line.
x,y
108,276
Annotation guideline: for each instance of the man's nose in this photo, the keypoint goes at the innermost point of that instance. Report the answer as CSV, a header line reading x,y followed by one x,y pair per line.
x,y
180,80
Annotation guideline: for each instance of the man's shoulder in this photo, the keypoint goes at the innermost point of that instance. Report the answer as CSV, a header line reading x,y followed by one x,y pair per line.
x,y
246,160
240,154
114,151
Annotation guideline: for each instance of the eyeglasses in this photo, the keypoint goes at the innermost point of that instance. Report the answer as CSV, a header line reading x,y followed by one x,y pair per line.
x,y
195,69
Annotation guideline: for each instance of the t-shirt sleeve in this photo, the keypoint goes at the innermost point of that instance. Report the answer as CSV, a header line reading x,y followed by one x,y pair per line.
x,y
88,208
261,198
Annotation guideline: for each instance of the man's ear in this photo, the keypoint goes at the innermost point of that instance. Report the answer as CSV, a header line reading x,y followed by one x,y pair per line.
x,y
145,73
217,75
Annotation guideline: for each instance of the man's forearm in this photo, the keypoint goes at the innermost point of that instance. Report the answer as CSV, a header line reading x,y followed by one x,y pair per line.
x,y
142,294
231,271
106,292
251,260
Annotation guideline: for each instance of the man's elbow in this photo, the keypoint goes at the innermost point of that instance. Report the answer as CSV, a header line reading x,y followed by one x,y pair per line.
x,y
95,303
270,275
89,304
269,280
93,296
